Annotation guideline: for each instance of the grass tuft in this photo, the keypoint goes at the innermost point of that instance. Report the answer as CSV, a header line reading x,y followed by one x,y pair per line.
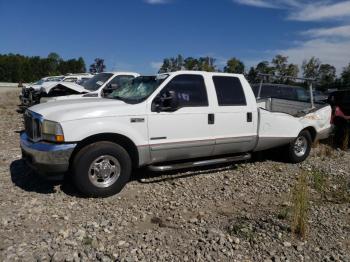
x,y
300,207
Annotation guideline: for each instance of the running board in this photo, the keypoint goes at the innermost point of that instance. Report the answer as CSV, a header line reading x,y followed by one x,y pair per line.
x,y
158,168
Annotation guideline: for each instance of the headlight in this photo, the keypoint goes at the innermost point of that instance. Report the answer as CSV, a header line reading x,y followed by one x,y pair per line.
x,y
52,131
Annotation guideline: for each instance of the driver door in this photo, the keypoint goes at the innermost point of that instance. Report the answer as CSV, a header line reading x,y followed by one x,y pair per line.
x,y
183,132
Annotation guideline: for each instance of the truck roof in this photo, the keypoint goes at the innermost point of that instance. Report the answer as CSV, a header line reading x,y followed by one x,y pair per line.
x,y
200,73
121,73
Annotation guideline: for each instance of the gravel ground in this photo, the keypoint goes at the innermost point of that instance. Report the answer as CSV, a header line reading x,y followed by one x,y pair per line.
x,y
236,212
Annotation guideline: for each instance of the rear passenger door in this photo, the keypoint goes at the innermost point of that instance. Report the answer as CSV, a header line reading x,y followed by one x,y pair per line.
x,y
235,117
186,132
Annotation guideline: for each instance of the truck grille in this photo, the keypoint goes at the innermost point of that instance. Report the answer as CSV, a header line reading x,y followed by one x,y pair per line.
x,y
32,125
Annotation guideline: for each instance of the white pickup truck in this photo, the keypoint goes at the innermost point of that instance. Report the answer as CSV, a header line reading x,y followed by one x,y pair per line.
x,y
99,85
169,121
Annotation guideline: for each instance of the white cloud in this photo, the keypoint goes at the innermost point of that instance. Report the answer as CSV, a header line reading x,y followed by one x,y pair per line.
x,y
318,11
332,52
305,10
157,2
281,4
340,31
258,3
331,45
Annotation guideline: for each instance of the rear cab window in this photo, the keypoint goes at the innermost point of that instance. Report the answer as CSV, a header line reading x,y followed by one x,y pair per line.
x,y
229,91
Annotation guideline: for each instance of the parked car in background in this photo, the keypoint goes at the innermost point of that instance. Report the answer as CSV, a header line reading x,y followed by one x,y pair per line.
x,y
169,121
340,102
319,96
100,85
32,93
281,91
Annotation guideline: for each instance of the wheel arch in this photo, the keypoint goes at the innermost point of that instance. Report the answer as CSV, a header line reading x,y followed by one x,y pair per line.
x,y
312,131
119,139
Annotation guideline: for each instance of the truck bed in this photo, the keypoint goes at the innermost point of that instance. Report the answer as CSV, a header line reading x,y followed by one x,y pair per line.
x,y
280,120
291,107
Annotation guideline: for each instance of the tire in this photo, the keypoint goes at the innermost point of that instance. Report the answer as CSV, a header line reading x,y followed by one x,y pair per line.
x,y
299,149
101,169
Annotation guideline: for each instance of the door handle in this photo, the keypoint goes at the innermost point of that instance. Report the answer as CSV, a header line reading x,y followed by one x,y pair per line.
x,y
249,117
211,119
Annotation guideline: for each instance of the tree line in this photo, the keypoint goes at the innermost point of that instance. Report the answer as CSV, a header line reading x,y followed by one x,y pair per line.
x,y
324,74
18,68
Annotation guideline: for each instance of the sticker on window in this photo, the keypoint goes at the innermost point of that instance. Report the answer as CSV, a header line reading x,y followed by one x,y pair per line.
x,y
100,83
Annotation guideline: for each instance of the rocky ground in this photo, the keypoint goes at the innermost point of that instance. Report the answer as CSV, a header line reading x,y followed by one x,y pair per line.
x,y
239,212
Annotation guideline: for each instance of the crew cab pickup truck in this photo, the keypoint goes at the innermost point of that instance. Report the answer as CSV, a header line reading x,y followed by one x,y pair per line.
x,y
169,121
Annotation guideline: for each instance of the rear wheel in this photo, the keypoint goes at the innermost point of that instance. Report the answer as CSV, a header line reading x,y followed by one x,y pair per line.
x,y
300,148
101,169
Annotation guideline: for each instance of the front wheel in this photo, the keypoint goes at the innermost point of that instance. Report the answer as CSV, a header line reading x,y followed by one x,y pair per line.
x,y
101,169
300,148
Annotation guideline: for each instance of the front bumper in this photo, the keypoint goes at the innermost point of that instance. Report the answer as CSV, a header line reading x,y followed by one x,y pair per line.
x,y
46,157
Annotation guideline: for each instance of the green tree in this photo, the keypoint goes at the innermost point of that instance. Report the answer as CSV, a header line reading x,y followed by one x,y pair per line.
x,y
326,76
53,60
206,64
265,68
191,63
252,75
15,67
179,63
234,65
280,64
98,66
345,77
311,68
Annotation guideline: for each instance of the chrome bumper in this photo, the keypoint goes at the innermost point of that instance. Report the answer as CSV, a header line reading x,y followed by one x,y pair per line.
x,y
46,157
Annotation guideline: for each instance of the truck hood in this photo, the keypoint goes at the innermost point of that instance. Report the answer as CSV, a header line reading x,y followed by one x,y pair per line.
x,y
66,110
68,97
42,86
69,85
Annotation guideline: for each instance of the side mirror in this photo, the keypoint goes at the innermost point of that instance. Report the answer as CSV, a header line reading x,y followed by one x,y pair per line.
x,y
166,102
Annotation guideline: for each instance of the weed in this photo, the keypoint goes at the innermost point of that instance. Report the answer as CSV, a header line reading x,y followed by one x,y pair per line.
x,y
339,192
345,141
87,241
300,206
284,213
242,228
319,181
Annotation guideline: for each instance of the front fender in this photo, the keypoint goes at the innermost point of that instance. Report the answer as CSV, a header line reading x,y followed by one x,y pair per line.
x,y
77,130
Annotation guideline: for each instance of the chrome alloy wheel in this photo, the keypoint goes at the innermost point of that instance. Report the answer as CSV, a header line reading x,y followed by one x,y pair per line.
x,y
104,171
300,146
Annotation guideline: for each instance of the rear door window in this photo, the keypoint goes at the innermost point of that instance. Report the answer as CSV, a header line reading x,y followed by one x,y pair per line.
x,y
229,91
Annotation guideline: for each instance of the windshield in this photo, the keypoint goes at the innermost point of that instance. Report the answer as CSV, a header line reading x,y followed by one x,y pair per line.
x,y
70,79
54,79
41,81
138,89
97,81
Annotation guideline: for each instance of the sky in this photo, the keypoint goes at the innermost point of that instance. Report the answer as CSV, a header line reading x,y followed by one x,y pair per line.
x,y
136,35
